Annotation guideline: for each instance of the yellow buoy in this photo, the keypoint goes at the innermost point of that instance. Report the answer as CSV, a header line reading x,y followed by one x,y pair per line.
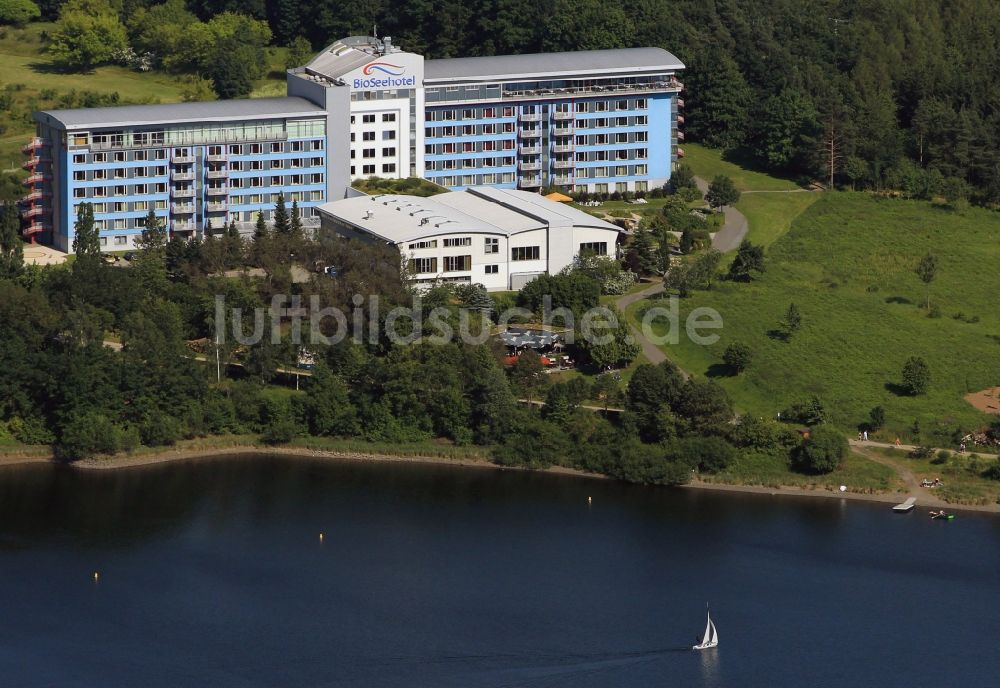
x,y
97,576
590,500
321,537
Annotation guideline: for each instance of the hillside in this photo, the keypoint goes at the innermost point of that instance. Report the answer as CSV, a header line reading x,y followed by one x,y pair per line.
x,y
847,262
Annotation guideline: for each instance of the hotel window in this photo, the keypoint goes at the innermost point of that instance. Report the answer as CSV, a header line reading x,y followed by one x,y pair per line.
x,y
317,145
600,188
508,144
641,169
79,193
508,127
120,156
368,153
353,170
489,162
581,140
352,119
276,180
368,169
119,223
316,162
489,179
315,196
160,171
468,147
621,121
447,131
275,148
100,174
457,263
80,159
641,136
468,130
161,154
161,188
460,241
468,113
140,155
368,119
489,128
621,137
430,243
389,117
120,191
642,186
161,205
389,168
255,149
642,119
489,112
640,104
141,190
491,269
388,152
368,136
277,164
389,135
525,253
581,107
602,106
492,245
121,173
621,171
79,176
121,240
104,241
641,153
422,265
141,205
598,248
622,105
508,111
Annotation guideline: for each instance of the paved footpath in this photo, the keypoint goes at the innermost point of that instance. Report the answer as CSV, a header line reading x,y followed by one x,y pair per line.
x,y
734,227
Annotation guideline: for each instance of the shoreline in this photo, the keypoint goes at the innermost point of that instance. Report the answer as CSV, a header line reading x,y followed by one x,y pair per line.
x,y
126,461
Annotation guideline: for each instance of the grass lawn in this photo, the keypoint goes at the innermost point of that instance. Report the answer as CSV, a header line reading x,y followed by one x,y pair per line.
x,y
770,215
847,263
708,163
857,473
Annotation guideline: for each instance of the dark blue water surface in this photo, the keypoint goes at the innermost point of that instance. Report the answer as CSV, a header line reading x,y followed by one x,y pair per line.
x,y
213,574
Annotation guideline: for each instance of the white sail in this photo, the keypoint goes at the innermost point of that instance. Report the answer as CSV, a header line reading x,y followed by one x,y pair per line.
x,y
711,637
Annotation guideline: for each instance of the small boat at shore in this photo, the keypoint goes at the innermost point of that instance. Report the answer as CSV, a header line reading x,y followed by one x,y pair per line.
x,y
711,637
942,516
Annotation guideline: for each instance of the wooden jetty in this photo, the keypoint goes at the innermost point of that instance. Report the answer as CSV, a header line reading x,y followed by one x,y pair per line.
x,y
905,506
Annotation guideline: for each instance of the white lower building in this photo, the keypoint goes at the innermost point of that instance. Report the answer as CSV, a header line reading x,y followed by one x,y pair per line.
x,y
500,238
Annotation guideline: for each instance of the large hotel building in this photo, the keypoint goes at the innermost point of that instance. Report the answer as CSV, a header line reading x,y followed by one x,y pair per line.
x,y
597,121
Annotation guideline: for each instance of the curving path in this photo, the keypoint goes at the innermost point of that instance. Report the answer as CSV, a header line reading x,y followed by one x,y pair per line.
x,y
734,227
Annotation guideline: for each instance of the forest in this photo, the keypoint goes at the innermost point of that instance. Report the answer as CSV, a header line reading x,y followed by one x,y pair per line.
x,y
873,94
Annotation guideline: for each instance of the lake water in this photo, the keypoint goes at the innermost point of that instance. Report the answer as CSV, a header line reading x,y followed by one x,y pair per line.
x,y
213,574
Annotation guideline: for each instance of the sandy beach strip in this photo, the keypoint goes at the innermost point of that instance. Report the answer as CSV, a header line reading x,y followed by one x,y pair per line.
x,y
124,461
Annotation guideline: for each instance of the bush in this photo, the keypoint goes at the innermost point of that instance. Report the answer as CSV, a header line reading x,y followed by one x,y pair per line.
x,y
707,454
162,431
916,376
822,452
738,357
876,418
30,431
86,435
280,431
993,471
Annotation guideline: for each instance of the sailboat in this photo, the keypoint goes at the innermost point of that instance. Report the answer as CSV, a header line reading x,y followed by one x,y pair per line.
x,y
711,638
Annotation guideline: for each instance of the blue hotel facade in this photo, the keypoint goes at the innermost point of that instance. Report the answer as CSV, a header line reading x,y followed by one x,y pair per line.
x,y
597,121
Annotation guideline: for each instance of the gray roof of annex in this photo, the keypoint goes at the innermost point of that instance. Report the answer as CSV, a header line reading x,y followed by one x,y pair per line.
x,y
176,113
551,65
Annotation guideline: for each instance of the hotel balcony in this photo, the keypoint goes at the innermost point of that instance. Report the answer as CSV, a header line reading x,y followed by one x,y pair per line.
x,y
34,228
560,116
182,208
216,207
216,157
182,176
182,159
182,226
36,211
530,149
680,152
531,117
217,190
562,131
36,195
680,102
530,133
562,148
35,178
530,166
34,144
680,119
188,192
562,180
33,162
563,164
217,174
680,135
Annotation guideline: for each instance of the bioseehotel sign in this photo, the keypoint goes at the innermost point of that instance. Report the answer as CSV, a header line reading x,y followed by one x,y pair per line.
x,y
395,70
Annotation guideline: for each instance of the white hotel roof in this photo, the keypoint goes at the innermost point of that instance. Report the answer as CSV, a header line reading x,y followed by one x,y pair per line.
x,y
550,65
477,210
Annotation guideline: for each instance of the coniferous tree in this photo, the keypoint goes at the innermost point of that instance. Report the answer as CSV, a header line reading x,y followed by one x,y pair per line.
x,y
86,239
295,224
281,223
